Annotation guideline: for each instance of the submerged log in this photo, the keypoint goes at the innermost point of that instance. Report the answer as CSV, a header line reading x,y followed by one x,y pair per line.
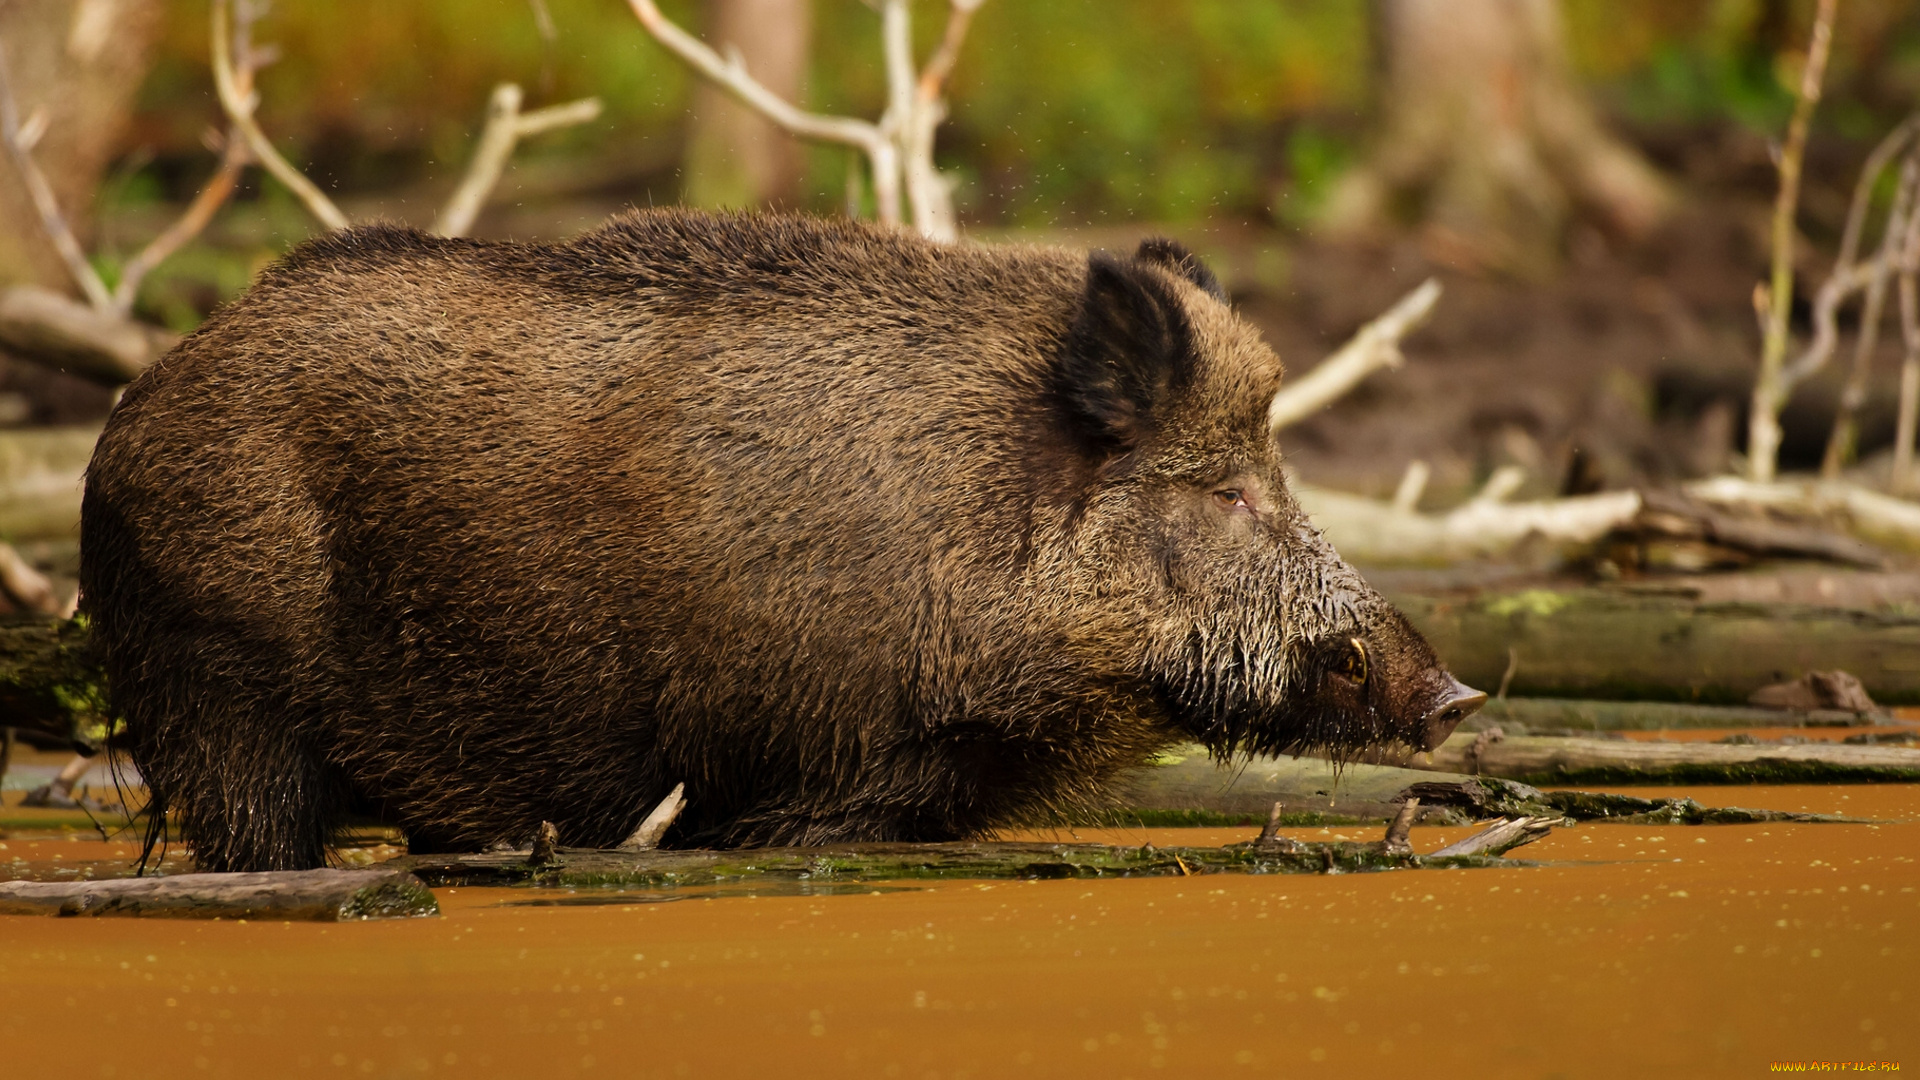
x,y
1617,645
304,895
822,868
1543,760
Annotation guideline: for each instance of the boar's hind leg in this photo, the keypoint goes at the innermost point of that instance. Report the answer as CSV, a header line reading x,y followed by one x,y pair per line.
x,y
225,761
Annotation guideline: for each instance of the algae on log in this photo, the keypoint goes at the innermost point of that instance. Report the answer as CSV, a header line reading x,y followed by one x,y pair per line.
x,y
1487,796
848,864
305,895
1605,643
49,682
1547,760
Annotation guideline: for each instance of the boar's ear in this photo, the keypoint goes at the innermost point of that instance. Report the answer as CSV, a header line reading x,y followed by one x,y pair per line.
x,y
1128,350
1174,255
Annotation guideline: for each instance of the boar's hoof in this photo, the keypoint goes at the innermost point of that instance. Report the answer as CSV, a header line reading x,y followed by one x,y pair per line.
x,y
1458,702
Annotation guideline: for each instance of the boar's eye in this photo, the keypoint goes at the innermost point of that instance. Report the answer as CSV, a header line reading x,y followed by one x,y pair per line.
x,y
1354,663
1231,499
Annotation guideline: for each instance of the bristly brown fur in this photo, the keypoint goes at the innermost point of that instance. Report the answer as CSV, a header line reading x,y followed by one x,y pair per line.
x,y
860,536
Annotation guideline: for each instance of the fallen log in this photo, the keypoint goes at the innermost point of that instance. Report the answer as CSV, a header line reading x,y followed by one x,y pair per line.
x,y
823,868
1370,531
65,333
1542,716
1546,760
292,895
1598,643
1189,788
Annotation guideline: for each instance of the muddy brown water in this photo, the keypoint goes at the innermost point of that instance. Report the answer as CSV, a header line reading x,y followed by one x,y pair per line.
x,y
1671,951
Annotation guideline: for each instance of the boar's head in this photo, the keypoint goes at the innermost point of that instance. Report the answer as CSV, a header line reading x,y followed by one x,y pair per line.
x,y
1195,572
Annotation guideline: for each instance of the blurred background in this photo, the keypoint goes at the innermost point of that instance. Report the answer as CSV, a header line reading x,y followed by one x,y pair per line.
x,y
1590,179
1559,486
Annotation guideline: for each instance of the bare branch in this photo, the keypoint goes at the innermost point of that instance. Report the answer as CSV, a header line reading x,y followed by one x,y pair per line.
x,y
1396,841
1500,837
506,126
52,221
234,159
731,75
239,106
939,67
24,585
1909,415
647,836
896,38
1769,390
1413,484
1840,440
1375,346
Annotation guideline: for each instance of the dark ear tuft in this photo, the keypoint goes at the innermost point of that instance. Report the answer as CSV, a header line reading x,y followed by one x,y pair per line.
x,y
1127,352
1174,255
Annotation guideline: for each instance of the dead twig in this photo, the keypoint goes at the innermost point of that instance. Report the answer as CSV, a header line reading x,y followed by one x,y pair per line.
x,y
546,845
731,75
1396,841
506,126
647,836
899,148
240,103
1902,481
1500,837
26,586
1770,390
1375,346
20,142
234,158
1887,260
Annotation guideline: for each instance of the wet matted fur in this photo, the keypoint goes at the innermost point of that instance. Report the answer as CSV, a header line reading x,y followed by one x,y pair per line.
x,y
861,536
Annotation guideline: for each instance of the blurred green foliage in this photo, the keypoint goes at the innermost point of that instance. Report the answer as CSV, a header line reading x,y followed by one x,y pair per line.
x,y
1068,110
1064,111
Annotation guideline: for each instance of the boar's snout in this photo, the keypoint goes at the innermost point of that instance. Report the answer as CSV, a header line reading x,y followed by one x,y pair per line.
x,y
1457,702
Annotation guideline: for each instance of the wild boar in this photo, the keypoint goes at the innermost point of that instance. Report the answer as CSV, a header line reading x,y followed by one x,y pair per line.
x,y
861,536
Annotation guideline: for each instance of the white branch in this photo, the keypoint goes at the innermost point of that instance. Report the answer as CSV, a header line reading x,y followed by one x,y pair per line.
x,y
647,836
1871,512
506,126
234,158
1369,530
52,221
1413,484
1375,346
933,77
896,39
239,107
731,75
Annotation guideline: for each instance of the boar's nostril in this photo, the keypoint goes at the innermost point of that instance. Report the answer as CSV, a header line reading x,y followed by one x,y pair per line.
x,y
1459,702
